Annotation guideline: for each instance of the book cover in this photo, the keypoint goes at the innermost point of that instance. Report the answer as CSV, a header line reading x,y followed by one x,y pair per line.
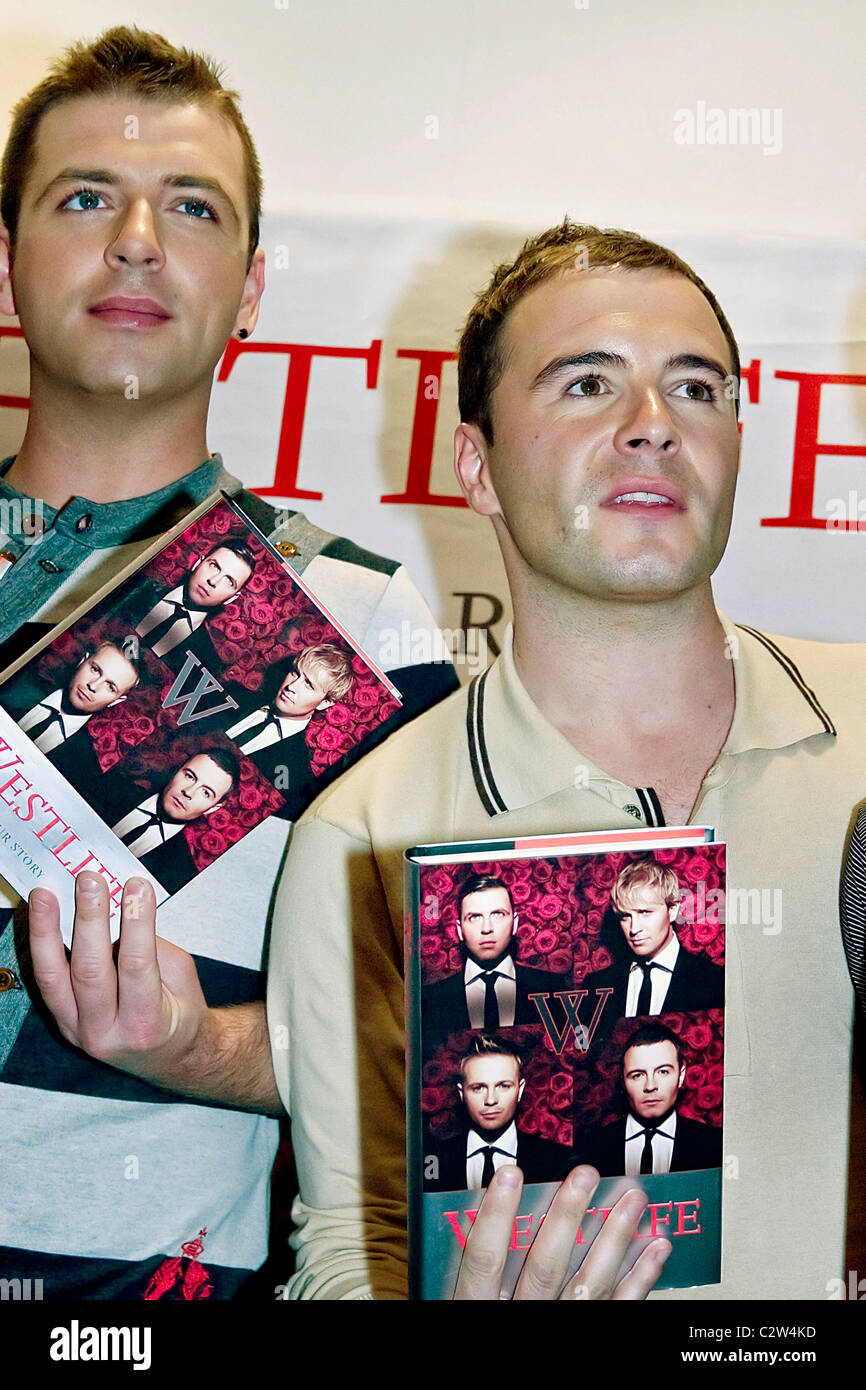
x,y
203,691
565,1005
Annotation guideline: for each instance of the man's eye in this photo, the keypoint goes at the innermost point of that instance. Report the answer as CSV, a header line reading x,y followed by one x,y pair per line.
x,y
696,391
83,200
586,386
197,207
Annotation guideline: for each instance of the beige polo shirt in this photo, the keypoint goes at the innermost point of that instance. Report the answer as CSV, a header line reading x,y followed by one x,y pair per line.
x,y
486,763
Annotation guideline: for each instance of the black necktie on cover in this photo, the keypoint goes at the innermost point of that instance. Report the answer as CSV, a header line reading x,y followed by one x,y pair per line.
x,y
488,1170
52,716
162,629
491,1007
258,729
153,818
644,999
646,1158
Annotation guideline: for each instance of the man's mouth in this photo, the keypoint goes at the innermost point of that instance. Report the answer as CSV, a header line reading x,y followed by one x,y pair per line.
x,y
645,494
127,311
649,499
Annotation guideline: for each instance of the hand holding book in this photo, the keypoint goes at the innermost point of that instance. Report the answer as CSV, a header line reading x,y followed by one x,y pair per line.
x,y
546,1265
143,1010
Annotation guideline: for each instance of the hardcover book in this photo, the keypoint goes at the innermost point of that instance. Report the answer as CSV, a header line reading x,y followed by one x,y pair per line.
x,y
565,1005
203,691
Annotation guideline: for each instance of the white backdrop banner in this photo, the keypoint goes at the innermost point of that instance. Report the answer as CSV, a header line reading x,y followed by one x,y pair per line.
x,y
343,404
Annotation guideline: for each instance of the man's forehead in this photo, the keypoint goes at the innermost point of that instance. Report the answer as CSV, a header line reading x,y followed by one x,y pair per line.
x,y
649,1055
133,134
498,1067
610,308
486,898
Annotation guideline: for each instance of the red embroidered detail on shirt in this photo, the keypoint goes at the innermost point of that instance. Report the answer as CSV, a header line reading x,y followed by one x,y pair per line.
x,y
181,1277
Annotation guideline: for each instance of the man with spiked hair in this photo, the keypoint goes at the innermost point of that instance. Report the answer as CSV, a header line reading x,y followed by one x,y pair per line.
x,y
598,433
131,200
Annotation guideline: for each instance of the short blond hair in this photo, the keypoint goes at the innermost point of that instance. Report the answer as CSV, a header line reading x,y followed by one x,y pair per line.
x,y
646,872
329,667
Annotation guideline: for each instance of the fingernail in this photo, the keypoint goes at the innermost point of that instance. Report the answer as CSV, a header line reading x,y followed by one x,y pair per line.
x,y
89,884
508,1176
136,887
585,1179
40,899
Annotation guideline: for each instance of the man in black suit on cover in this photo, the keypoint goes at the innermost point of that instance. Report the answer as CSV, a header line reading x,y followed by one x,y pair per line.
x,y
152,829
52,715
493,989
657,974
652,1137
269,726
172,622
491,1086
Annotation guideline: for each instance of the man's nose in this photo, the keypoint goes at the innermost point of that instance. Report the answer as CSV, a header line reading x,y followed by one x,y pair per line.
x,y
137,243
648,426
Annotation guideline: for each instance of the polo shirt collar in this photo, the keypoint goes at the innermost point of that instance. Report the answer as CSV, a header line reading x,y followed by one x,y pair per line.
x,y
775,707
100,525
519,758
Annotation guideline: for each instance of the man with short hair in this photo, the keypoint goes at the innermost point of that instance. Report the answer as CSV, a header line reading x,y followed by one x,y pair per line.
x,y
493,989
170,619
652,1137
599,434
152,828
130,263
490,1088
655,974
101,679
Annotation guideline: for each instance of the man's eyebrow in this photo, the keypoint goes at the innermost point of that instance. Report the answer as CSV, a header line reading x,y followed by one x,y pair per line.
x,y
579,359
690,361
207,185
76,175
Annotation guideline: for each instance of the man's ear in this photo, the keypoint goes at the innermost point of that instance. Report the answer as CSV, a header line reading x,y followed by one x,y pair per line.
x,y
254,285
472,469
7,297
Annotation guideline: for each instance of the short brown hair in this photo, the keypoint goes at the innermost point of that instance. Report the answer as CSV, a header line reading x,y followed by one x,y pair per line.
x,y
569,246
645,872
123,60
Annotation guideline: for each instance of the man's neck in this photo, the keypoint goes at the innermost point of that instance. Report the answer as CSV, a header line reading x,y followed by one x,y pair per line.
x,y
104,449
644,691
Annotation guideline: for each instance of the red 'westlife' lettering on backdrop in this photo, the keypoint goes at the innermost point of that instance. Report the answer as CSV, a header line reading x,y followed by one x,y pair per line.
x,y
300,356
807,450
430,364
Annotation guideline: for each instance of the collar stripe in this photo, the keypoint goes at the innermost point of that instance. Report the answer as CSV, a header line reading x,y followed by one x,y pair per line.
x,y
787,665
646,805
652,797
485,784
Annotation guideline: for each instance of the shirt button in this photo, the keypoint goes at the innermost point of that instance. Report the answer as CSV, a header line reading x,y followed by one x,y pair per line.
x,y
287,548
84,523
50,567
8,980
633,811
